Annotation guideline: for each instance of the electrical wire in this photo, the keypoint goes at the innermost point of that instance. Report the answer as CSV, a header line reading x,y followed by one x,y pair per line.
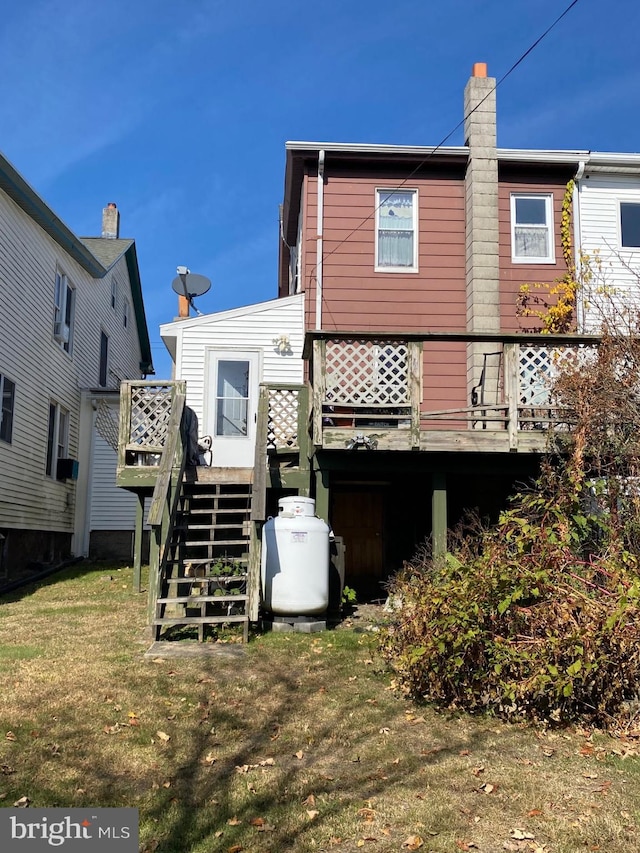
x,y
460,124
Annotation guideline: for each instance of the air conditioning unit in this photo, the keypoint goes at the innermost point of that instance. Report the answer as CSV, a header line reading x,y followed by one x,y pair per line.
x,y
67,469
61,333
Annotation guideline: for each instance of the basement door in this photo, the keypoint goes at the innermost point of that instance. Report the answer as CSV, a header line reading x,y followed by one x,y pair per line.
x,y
231,407
357,516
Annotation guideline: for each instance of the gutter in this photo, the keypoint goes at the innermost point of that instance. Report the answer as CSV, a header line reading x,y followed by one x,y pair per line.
x,y
320,218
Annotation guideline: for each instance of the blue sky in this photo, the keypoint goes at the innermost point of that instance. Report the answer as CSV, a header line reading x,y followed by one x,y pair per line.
x,y
178,110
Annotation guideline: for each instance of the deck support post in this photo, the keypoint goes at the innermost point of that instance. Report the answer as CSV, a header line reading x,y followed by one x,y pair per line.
x,y
322,493
137,543
439,513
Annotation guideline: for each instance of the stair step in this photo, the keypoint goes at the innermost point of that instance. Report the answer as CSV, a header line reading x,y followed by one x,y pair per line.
x,y
200,620
219,511
212,496
194,600
228,526
202,542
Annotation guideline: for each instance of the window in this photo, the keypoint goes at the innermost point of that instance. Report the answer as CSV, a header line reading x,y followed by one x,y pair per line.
x,y
125,314
532,229
64,311
396,230
7,396
104,360
232,398
114,292
57,438
630,223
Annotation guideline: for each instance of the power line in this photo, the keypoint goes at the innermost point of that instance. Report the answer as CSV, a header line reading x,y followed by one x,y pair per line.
x,y
445,139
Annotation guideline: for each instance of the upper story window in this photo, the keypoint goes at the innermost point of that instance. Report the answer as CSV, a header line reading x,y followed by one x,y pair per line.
x,y
630,224
64,311
104,360
114,292
57,438
396,230
7,398
532,228
125,314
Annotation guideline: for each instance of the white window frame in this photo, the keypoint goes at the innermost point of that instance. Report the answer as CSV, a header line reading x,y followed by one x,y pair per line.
x,y
64,311
57,438
549,226
622,201
380,194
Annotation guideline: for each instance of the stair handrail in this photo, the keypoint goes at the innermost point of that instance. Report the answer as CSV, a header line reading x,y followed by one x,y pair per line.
x,y
168,461
166,493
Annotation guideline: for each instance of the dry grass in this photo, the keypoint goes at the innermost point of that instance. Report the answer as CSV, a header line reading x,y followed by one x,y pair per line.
x,y
297,745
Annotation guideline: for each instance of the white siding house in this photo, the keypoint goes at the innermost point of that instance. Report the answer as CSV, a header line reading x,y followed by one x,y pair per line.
x,y
608,233
72,326
225,356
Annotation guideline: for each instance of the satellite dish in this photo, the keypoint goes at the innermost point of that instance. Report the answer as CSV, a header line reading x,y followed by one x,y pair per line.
x,y
190,284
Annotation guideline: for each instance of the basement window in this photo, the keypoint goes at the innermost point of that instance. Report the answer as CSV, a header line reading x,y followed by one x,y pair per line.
x,y
532,228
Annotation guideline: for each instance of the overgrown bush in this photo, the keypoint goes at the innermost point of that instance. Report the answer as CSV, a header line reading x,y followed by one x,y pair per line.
x,y
539,616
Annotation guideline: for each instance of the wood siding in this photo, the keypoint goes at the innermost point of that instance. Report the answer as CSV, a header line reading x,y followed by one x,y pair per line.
x,y
513,275
599,199
357,297
42,371
251,329
112,508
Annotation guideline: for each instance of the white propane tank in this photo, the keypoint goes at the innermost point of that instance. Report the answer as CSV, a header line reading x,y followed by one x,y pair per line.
x,y
295,560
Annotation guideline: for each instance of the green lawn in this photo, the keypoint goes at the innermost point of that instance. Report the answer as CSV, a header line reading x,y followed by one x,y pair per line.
x,y
299,743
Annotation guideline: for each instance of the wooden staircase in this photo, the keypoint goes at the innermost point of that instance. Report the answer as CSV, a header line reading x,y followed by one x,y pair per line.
x,y
205,577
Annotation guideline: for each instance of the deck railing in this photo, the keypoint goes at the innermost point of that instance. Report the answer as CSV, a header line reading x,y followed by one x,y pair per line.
x,y
364,382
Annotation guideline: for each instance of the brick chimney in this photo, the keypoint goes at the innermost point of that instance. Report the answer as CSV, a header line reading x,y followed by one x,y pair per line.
x,y
481,202
110,221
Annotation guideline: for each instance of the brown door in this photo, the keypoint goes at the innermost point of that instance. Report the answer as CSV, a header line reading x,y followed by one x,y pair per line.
x,y
358,517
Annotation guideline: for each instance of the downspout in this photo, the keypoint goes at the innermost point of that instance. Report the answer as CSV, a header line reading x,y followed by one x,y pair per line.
x,y
320,217
577,242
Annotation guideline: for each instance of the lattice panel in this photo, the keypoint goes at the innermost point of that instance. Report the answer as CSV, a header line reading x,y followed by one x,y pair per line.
x,y
538,367
367,373
282,422
150,413
107,424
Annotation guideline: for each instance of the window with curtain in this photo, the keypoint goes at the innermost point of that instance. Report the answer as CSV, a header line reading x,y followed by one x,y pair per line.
x,y
396,231
532,228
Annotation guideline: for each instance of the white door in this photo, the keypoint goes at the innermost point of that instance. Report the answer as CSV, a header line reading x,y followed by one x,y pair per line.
x,y
232,404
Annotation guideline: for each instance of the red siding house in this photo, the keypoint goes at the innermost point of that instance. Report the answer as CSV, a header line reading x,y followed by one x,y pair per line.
x,y
411,262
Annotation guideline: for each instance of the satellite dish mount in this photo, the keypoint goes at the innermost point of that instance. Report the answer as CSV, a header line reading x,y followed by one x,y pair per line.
x,y
190,285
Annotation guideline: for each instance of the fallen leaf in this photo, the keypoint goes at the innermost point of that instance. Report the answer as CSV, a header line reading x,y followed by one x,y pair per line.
x,y
312,813
300,754
310,801
335,840
360,842
166,784
268,762
164,737
521,835
209,759
477,771
235,848
22,803
413,842
10,736
218,833
385,730
367,815
488,789
257,821
111,730
233,821
534,813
